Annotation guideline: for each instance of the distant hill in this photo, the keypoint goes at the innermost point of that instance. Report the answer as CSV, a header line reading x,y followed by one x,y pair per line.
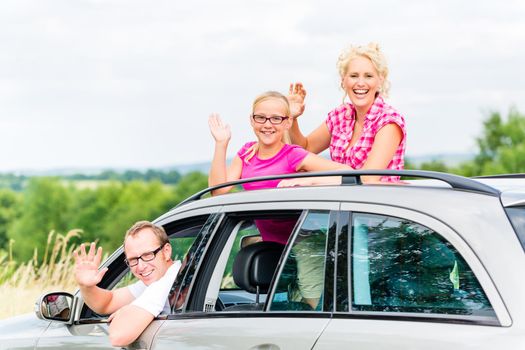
x,y
203,167
450,159
182,169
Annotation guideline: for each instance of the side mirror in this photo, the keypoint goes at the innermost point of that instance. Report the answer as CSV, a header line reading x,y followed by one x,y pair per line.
x,y
56,306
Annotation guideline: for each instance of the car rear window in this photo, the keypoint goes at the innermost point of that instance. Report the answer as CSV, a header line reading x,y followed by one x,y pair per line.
x,y
517,218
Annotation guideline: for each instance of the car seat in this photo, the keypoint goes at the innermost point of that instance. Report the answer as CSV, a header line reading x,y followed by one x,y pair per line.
x,y
253,270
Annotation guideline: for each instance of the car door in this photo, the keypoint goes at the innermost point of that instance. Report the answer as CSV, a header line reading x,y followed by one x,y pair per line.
x,y
223,312
407,280
90,330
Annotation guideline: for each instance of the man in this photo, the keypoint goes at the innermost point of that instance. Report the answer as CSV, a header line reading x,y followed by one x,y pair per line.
x,y
131,308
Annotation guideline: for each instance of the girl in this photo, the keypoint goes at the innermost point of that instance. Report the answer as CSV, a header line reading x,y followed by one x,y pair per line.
x,y
271,154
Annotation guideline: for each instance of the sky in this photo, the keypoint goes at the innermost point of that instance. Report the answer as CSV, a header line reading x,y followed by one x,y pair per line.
x,y
130,83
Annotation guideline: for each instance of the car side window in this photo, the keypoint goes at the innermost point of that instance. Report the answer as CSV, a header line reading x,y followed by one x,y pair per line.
x,y
245,234
223,293
196,240
397,265
183,234
300,284
242,261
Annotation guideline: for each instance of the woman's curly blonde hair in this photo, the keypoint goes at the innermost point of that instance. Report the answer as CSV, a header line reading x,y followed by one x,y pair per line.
x,y
374,54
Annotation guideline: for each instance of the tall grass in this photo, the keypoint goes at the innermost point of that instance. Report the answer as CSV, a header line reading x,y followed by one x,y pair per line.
x,y
22,282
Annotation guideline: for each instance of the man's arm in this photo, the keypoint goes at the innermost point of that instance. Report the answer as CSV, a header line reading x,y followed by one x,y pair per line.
x,y
87,275
128,323
104,301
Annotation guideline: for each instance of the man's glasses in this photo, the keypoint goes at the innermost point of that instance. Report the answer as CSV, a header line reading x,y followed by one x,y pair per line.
x,y
275,120
148,256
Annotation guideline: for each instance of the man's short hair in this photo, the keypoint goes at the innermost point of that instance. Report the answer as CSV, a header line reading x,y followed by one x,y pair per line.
x,y
159,231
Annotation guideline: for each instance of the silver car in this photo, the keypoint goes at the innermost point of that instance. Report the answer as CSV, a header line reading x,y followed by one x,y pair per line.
x,y
433,264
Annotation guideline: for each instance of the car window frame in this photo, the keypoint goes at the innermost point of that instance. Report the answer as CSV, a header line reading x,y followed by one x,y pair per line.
x,y
117,268
330,264
449,234
222,234
195,310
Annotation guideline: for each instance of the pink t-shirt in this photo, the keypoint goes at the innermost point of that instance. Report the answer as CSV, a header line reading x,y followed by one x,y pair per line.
x,y
340,123
275,230
285,161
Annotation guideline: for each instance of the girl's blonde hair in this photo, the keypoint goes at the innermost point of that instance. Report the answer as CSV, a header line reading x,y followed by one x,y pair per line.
x,y
268,95
374,54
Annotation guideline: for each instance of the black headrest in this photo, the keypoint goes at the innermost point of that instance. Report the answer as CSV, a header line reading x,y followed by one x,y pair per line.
x,y
255,265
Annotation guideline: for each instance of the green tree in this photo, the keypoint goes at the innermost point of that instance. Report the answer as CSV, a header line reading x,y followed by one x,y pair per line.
x,y
467,169
103,213
44,208
12,181
138,200
91,207
189,185
107,175
409,165
10,210
501,145
435,165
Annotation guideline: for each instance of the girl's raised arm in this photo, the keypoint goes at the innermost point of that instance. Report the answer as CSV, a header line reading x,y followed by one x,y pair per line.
x,y
218,173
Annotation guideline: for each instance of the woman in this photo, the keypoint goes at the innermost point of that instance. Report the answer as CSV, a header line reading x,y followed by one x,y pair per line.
x,y
366,132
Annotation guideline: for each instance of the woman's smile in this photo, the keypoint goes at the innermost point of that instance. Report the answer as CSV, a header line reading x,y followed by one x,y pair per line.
x,y
361,83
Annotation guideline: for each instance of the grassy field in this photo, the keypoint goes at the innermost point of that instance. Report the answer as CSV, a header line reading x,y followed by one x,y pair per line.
x,y
22,282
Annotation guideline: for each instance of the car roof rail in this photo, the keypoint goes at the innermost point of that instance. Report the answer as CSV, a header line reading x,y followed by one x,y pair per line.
x,y
353,177
501,176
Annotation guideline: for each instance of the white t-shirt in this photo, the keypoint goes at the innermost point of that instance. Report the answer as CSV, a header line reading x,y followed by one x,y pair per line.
x,y
150,297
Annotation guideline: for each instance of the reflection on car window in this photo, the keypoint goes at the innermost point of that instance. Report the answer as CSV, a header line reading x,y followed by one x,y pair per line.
x,y
192,248
301,283
128,279
400,266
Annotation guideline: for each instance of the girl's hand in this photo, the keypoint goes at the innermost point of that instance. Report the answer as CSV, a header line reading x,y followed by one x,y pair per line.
x,y
311,181
296,96
296,182
220,131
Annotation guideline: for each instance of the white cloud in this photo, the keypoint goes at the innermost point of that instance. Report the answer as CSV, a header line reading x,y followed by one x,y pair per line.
x,y
130,83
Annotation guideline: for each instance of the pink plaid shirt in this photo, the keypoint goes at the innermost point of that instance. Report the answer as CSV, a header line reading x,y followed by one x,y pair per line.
x,y
340,123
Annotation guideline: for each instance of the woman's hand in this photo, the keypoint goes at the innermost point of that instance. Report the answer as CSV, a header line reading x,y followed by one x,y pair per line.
x,y
221,132
296,96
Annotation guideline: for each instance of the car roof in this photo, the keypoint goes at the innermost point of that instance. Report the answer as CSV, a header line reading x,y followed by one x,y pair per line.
x,y
450,188
504,184
354,178
512,188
